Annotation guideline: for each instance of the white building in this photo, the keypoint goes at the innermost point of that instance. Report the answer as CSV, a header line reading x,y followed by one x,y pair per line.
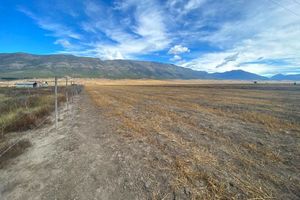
x,y
32,84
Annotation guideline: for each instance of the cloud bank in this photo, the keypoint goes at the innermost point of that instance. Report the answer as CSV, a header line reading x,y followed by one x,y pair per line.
x,y
260,36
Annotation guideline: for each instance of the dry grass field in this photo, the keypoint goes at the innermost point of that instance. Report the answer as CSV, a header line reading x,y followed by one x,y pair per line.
x,y
210,141
22,109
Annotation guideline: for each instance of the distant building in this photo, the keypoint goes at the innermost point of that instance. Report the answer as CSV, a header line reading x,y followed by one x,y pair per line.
x,y
33,84
44,84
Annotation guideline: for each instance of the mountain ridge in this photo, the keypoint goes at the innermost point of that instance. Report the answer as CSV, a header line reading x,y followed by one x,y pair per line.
x,y
25,65
290,77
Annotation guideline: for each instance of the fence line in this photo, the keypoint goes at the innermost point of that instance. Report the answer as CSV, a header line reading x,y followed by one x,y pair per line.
x,y
74,91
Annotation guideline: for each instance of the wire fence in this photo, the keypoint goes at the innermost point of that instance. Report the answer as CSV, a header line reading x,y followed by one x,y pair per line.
x,y
65,88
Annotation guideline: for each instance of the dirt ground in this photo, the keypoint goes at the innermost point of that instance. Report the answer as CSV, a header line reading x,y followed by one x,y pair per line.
x,y
85,159
212,141
164,142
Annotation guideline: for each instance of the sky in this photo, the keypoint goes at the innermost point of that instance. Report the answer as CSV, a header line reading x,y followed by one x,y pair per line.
x,y
259,36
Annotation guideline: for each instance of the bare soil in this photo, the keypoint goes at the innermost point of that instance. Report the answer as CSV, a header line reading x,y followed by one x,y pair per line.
x,y
212,141
85,159
163,142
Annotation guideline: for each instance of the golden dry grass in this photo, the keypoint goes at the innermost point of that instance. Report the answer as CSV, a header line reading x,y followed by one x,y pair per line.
x,y
22,109
219,141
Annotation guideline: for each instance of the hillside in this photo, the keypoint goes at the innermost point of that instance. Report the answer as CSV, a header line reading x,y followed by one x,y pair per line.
x,y
23,65
281,77
237,75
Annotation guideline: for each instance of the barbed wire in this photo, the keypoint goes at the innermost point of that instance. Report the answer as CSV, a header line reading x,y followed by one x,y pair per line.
x,y
20,139
39,125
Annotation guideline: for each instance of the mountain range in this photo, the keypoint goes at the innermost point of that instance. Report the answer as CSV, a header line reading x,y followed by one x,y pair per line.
x,y
24,65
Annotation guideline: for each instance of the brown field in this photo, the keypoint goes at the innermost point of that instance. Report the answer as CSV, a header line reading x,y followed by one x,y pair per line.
x,y
231,140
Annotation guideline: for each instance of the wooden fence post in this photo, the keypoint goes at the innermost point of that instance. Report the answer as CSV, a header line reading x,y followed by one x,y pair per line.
x,y
56,109
72,90
67,97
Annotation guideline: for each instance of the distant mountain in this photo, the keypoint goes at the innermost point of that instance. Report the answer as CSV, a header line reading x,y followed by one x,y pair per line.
x,y
23,65
281,77
237,75
143,69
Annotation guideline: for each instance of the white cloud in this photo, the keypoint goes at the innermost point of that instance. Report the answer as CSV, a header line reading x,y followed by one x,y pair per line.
x,y
176,58
63,42
183,7
57,29
148,31
269,33
178,49
142,33
223,36
193,4
110,54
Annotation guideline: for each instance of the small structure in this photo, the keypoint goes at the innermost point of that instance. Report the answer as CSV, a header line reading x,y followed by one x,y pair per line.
x,y
44,84
33,84
295,83
255,82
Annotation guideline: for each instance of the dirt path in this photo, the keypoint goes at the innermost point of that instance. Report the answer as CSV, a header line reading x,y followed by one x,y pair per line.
x,y
85,159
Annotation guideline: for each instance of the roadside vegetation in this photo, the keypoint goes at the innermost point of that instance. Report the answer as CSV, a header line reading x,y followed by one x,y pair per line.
x,y
232,141
22,109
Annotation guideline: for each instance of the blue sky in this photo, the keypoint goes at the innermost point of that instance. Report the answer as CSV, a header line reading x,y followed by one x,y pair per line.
x,y
260,36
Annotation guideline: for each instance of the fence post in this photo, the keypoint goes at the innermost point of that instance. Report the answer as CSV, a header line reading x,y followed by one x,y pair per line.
x,y
56,109
67,97
72,90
